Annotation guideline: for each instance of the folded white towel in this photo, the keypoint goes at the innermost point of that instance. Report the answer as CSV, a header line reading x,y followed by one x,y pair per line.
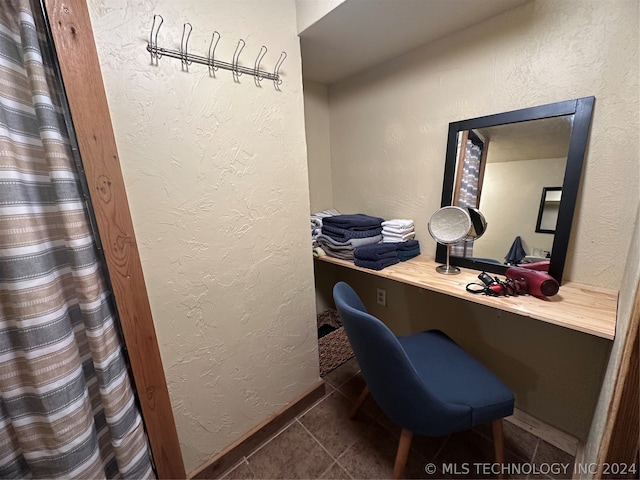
x,y
398,231
392,238
398,223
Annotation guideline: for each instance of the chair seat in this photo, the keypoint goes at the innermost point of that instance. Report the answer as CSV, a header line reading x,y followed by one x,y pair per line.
x,y
456,378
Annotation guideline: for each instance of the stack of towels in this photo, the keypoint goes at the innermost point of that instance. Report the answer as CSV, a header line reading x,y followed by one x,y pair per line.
x,y
316,223
381,255
376,256
397,230
342,234
407,250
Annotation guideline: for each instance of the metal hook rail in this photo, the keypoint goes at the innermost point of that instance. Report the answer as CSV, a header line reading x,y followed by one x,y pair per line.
x,y
234,67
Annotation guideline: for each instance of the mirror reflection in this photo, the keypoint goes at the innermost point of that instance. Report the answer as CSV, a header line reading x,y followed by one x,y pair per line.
x,y
500,164
501,170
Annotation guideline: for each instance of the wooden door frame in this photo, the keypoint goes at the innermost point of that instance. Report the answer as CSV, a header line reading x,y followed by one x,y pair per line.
x,y
74,43
621,441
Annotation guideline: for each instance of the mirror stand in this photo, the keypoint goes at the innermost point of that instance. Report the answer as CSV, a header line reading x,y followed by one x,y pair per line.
x,y
448,269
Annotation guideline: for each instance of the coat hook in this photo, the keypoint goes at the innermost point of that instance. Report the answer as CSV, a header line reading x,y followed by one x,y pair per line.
x,y
184,53
256,67
215,38
236,56
152,46
277,81
211,60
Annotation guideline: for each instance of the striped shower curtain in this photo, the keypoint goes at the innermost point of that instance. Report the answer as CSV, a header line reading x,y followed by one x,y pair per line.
x,y
67,409
470,176
468,194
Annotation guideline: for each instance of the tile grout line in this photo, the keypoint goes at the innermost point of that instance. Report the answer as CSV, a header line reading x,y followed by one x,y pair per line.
x,y
316,403
343,383
236,465
335,460
533,455
246,461
269,440
439,451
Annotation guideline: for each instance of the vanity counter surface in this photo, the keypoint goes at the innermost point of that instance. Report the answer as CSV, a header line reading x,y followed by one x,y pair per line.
x,y
579,307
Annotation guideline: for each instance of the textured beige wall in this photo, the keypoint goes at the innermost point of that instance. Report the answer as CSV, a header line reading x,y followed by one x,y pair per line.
x,y
217,182
388,142
316,115
511,207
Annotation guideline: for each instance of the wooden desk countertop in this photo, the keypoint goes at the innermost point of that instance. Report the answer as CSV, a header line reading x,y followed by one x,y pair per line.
x,y
579,307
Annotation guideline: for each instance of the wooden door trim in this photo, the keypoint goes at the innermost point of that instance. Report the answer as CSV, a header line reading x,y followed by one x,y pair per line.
x,y
621,441
74,43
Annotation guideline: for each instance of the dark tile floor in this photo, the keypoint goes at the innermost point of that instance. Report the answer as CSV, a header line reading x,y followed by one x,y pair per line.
x,y
322,443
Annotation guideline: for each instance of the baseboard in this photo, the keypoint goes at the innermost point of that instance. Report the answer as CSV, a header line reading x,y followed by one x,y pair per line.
x,y
231,455
577,475
549,434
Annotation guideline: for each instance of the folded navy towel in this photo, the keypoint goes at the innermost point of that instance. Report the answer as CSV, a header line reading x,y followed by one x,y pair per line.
x,y
376,251
413,251
408,245
343,234
356,221
373,257
376,264
408,255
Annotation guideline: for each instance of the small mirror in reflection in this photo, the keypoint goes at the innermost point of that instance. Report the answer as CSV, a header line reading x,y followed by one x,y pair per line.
x,y
548,212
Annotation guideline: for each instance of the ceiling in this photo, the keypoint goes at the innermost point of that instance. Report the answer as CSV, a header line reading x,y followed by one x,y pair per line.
x,y
530,140
359,34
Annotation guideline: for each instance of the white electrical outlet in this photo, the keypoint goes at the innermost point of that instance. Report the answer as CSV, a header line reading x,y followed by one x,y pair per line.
x,y
382,297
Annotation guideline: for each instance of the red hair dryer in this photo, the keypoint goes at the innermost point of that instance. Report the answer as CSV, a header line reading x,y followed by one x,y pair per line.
x,y
539,284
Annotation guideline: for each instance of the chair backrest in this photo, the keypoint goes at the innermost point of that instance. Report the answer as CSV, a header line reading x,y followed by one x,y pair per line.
x,y
392,379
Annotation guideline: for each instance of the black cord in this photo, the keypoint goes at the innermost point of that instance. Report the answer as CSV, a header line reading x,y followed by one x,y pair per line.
x,y
483,288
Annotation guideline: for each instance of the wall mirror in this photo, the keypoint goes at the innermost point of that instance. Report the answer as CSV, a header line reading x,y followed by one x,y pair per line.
x,y
499,164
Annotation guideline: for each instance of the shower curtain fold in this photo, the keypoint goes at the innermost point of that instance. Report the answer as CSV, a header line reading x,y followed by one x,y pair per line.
x,y
67,407
468,191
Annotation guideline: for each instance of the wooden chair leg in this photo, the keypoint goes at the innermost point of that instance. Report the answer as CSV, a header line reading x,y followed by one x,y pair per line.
x,y
498,442
363,396
403,453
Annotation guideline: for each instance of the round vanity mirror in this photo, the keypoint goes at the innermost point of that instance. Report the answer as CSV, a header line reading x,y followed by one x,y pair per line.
x,y
451,225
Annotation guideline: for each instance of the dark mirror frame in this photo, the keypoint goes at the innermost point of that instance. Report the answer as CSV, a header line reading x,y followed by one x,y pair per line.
x,y
582,110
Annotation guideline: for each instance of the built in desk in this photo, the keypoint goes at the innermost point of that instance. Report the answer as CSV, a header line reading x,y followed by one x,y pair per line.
x,y
579,307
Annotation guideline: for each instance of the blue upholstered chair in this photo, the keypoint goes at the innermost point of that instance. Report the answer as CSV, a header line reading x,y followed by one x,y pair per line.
x,y
425,382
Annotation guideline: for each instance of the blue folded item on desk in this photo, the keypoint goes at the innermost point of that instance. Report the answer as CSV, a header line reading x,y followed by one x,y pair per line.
x,y
408,254
408,245
344,234
356,221
376,251
376,264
